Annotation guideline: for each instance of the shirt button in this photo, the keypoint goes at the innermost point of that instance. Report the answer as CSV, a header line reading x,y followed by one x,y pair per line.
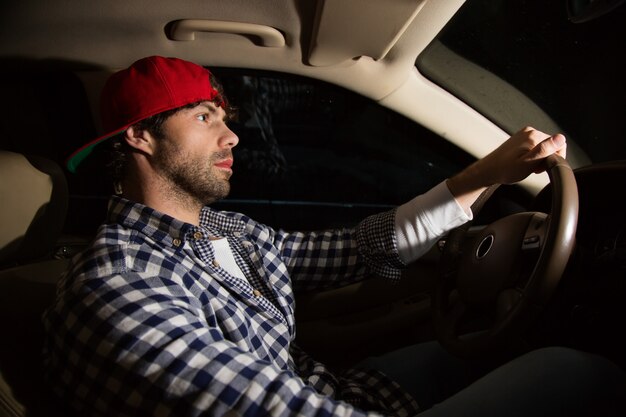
x,y
247,244
256,293
176,242
198,235
215,263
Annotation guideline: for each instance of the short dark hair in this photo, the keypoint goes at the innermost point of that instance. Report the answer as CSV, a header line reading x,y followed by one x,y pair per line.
x,y
154,125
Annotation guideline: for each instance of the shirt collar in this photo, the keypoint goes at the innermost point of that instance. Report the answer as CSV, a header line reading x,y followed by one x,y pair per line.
x,y
220,222
164,227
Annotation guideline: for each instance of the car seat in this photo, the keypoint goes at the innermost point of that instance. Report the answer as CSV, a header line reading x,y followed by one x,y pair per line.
x,y
34,195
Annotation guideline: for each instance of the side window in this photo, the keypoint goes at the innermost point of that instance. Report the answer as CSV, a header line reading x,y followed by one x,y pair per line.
x,y
312,155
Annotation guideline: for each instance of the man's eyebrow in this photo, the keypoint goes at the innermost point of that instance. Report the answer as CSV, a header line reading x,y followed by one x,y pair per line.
x,y
208,105
213,108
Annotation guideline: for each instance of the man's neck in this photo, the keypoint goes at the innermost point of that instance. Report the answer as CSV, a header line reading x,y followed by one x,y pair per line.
x,y
162,198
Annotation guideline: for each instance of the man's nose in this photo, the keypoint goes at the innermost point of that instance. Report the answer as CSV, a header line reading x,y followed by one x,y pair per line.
x,y
229,139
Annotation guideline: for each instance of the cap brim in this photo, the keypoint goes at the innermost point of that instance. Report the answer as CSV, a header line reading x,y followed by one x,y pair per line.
x,y
80,154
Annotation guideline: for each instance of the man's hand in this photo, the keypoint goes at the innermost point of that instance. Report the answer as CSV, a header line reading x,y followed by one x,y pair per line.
x,y
522,154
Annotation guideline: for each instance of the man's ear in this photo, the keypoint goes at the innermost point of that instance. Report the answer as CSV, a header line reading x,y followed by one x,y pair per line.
x,y
140,139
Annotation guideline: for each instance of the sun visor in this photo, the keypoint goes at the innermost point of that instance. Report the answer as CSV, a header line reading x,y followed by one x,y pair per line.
x,y
340,34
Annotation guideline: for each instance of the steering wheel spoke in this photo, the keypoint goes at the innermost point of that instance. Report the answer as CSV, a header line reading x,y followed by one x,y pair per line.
x,y
454,313
506,301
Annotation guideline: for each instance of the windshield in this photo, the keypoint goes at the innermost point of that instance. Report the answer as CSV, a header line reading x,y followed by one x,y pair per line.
x,y
567,66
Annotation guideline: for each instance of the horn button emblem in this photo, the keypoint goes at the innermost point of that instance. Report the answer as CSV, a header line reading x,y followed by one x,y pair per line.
x,y
484,247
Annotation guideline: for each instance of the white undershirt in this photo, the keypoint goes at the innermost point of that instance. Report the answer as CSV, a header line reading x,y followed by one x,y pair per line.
x,y
424,219
419,223
224,253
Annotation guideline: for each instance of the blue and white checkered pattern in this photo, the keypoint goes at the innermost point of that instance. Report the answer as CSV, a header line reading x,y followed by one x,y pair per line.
x,y
146,322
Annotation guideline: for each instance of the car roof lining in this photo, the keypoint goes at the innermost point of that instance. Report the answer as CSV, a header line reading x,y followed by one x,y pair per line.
x,y
377,44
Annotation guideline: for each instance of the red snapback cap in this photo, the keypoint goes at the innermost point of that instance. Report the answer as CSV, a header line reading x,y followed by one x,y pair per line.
x,y
149,86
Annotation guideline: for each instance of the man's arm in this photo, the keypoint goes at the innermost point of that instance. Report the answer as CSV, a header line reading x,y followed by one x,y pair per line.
x,y
421,221
384,246
521,155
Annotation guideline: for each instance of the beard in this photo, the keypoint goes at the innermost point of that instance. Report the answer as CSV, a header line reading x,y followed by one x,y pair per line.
x,y
192,178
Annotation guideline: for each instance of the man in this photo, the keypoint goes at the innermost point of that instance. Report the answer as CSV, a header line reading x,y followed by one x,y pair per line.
x,y
177,309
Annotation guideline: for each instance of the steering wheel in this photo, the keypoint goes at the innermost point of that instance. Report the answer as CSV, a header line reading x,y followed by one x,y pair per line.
x,y
495,281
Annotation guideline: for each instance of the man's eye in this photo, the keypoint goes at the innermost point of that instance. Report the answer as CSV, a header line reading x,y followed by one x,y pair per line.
x,y
202,117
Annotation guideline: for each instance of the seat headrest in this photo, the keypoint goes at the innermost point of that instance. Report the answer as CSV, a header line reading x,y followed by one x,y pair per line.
x,y
33,206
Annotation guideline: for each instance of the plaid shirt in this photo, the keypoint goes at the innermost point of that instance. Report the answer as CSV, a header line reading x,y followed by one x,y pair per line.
x,y
146,322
